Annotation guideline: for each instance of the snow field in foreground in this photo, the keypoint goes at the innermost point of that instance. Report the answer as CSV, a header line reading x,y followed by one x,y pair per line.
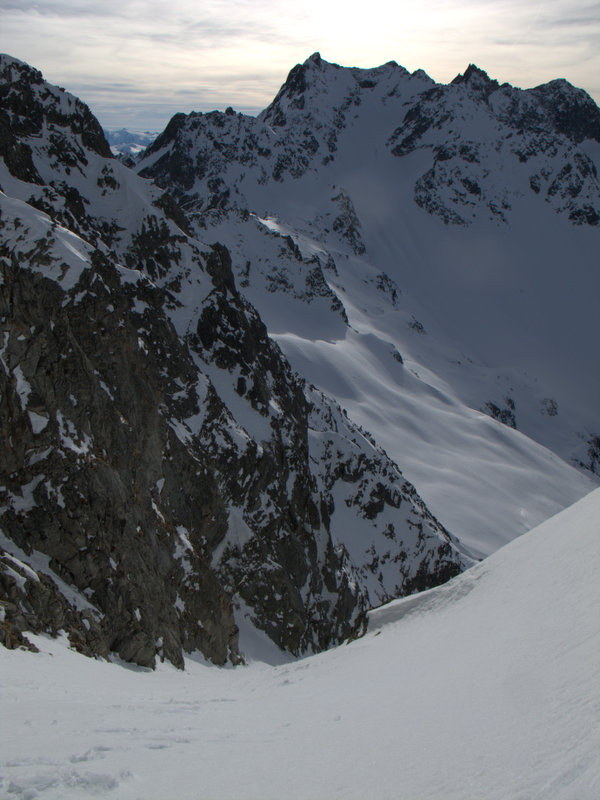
x,y
486,687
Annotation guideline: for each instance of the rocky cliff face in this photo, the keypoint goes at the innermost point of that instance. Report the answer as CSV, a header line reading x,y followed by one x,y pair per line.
x,y
90,479
162,465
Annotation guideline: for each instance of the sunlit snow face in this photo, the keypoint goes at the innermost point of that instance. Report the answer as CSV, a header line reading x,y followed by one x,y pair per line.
x,y
136,63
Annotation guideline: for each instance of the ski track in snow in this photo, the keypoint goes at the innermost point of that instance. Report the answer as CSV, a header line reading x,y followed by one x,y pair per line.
x,y
485,687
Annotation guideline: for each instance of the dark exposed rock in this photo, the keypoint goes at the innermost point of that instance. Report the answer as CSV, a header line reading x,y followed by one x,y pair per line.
x,y
476,81
166,203
175,169
142,513
549,407
418,120
504,414
417,326
585,216
33,602
346,222
550,120
22,88
99,514
571,111
593,454
16,154
174,125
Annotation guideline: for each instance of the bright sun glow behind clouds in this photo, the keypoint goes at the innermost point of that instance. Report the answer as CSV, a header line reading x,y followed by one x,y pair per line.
x,y
138,62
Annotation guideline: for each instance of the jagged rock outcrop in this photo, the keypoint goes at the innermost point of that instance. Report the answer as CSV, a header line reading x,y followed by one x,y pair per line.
x,y
540,128
89,474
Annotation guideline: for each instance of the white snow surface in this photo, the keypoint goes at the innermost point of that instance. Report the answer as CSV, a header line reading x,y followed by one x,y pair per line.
x,y
486,687
485,481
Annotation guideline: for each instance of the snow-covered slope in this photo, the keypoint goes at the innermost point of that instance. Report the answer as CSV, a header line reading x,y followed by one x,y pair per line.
x,y
427,255
484,688
158,455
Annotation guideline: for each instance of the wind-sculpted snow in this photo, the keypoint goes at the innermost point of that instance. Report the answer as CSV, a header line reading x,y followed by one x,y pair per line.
x,y
161,460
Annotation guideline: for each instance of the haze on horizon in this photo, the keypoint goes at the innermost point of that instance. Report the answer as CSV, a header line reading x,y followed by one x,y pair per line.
x,y
138,62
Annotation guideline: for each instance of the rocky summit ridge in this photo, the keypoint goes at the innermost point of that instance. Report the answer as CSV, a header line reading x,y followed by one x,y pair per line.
x,y
319,106
164,469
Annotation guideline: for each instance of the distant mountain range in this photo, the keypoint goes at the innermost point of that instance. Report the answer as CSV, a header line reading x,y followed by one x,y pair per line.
x,y
129,143
287,368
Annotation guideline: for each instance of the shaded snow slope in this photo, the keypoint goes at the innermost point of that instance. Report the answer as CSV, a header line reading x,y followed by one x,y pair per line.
x,y
483,688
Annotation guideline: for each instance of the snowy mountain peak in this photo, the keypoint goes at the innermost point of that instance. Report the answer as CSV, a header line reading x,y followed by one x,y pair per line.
x,y
126,144
6,60
363,201
316,88
571,111
557,106
477,81
33,107
200,445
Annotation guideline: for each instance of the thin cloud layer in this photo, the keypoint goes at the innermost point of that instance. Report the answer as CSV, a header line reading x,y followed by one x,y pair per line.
x,y
138,62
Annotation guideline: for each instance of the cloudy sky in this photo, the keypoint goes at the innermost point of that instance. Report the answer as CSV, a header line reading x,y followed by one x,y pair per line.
x,y
137,62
